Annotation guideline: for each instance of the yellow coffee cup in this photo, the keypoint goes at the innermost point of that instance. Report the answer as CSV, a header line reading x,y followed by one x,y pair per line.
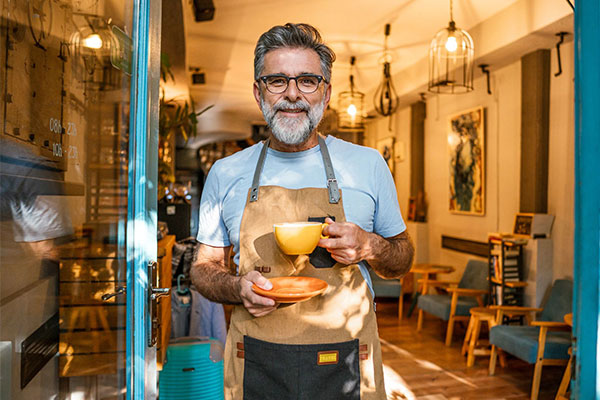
x,y
295,238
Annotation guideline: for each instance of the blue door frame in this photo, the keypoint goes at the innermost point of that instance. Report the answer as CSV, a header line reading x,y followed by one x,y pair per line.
x,y
142,196
587,194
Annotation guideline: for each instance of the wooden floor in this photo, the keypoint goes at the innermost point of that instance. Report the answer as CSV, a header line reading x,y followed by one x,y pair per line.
x,y
420,366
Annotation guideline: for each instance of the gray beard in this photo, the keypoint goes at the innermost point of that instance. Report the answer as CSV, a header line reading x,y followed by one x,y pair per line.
x,y
292,131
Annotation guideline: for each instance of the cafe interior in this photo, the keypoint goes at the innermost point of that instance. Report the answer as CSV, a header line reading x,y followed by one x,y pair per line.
x,y
114,112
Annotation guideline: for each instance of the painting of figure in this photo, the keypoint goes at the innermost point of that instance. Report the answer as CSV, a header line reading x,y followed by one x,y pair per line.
x,y
386,149
467,162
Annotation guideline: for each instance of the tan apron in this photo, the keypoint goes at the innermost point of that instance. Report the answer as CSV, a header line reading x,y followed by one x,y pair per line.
x,y
324,348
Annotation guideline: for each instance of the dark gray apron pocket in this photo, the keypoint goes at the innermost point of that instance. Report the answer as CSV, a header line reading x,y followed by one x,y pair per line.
x,y
301,372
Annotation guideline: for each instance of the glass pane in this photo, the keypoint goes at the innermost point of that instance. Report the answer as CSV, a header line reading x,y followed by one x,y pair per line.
x,y
65,87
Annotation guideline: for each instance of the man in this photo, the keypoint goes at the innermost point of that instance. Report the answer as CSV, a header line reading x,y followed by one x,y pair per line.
x,y
326,347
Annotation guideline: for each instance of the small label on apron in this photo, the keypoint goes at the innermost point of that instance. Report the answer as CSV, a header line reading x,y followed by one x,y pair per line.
x,y
327,357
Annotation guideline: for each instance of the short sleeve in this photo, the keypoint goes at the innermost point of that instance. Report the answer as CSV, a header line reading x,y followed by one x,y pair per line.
x,y
388,219
47,217
211,227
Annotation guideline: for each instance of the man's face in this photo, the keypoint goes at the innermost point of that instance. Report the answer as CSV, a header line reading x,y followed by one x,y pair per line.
x,y
292,115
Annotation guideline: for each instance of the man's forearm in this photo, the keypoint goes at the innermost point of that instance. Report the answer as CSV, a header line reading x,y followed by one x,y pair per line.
x,y
215,283
390,257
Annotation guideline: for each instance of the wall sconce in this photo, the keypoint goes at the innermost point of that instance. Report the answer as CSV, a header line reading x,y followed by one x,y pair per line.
x,y
386,98
93,42
94,38
350,104
451,60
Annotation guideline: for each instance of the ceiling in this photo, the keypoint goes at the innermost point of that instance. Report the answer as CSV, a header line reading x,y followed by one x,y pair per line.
x,y
223,48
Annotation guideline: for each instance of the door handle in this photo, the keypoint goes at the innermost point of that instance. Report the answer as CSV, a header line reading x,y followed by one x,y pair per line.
x,y
157,293
154,293
118,291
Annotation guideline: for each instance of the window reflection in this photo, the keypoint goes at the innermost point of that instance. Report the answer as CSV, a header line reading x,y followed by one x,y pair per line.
x,y
64,139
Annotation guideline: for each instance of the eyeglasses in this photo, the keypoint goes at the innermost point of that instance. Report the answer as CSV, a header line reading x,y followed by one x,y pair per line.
x,y
278,83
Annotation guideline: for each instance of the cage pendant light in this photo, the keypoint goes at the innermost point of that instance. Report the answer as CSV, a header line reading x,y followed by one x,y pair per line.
x,y
451,60
350,104
386,99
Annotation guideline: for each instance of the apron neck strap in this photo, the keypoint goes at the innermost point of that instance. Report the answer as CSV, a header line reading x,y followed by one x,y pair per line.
x,y
332,184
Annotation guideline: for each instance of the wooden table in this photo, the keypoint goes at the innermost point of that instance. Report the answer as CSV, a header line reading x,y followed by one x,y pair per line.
x,y
428,271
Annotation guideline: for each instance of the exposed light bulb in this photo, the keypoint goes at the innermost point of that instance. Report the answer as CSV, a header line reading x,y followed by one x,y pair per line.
x,y
451,44
351,110
93,41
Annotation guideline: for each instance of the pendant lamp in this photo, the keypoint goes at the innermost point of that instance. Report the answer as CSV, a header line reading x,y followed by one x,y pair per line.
x,y
451,60
350,104
386,98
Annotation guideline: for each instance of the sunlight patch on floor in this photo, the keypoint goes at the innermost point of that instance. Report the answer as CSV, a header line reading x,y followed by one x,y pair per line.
x,y
395,387
424,364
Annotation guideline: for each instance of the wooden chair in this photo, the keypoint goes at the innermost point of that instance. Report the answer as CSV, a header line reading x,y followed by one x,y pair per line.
x,y
459,298
542,342
563,393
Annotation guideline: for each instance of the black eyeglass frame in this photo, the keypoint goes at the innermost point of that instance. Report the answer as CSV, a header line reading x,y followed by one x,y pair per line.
x,y
264,78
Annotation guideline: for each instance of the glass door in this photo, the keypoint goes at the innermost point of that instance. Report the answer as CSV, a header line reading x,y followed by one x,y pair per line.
x,y
77,198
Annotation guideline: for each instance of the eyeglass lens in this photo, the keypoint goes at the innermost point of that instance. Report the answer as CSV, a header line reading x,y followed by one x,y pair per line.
x,y
305,83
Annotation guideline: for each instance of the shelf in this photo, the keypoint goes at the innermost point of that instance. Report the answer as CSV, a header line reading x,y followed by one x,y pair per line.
x,y
505,264
512,284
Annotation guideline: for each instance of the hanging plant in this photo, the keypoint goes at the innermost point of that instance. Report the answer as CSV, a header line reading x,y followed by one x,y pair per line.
x,y
176,117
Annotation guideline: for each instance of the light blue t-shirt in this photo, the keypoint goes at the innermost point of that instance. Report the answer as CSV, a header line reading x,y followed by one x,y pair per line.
x,y
368,190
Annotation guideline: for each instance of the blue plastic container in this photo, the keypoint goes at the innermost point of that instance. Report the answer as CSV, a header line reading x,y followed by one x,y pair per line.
x,y
193,369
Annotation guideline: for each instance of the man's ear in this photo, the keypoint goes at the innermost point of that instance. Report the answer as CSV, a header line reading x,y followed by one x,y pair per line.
x,y
327,95
256,91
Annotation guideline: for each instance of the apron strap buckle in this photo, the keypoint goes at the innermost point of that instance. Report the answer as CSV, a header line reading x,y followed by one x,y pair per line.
x,y
334,192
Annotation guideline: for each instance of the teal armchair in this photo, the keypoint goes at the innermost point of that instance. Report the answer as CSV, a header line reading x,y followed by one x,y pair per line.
x,y
387,288
454,305
545,341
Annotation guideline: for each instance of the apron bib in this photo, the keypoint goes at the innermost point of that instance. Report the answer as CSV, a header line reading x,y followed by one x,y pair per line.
x,y
323,348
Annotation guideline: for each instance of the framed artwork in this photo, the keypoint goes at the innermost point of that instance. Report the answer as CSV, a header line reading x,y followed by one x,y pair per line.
x,y
412,209
523,223
466,148
386,149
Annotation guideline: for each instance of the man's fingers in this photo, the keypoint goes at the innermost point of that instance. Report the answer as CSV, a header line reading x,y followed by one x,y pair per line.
x,y
254,302
261,312
258,300
333,243
256,278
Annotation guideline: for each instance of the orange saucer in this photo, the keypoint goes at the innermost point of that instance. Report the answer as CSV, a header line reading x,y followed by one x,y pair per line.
x,y
292,289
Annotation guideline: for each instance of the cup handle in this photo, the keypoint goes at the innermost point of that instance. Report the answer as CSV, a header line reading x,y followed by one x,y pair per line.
x,y
323,225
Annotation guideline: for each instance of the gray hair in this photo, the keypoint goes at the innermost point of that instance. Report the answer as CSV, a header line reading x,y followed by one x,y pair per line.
x,y
293,36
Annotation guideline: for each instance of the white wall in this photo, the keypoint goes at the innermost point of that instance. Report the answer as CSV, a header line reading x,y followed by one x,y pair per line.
x,y
502,162
502,159
561,168
400,129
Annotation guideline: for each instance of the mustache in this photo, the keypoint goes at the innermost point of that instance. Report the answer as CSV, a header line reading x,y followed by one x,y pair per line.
x,y
288,105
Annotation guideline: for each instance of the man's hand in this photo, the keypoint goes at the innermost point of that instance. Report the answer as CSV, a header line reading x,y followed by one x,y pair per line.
x,y
346,241
256,304
211,276
349,244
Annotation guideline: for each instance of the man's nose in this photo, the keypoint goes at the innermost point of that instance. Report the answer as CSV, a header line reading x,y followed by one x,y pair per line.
x,y
292,93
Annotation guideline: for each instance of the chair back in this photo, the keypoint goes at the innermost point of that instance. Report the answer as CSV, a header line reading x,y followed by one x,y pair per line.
x,y
559,302
475,276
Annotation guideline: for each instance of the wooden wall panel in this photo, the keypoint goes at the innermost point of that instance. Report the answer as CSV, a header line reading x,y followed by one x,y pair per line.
x,y
535,112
